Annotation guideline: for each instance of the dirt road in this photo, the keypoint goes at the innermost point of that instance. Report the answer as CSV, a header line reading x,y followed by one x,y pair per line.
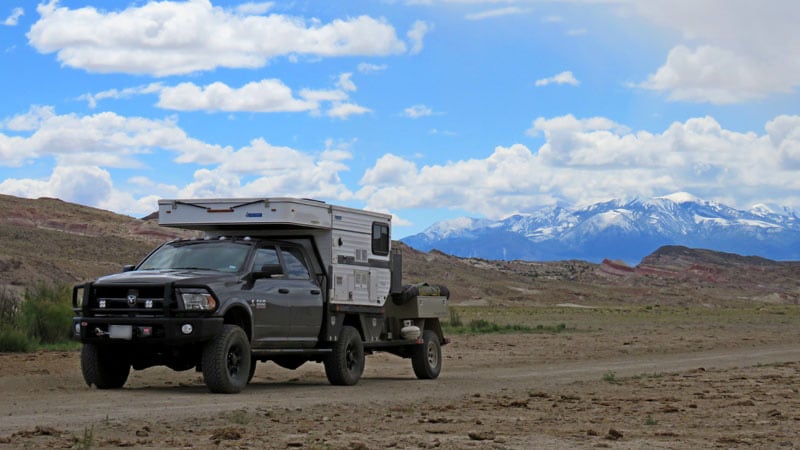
x,y
638,388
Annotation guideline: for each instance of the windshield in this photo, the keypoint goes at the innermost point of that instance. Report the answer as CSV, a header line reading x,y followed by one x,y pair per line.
x,y
199,255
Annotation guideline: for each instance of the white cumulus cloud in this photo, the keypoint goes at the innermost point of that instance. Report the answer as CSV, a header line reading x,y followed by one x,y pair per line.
x,y
106,139
731,52
417,34
565,77
345,110
367,68
417,111
87,185
125,93
262,96
167,38
84,148
588,160
13,19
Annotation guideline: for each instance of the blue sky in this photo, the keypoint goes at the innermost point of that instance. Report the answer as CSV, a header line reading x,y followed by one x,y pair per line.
x,y
429,110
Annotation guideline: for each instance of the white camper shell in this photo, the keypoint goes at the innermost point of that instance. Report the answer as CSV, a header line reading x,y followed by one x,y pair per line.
x,y
355,244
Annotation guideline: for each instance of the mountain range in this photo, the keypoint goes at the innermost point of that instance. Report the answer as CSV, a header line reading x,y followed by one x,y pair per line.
x,y
625,230
55,242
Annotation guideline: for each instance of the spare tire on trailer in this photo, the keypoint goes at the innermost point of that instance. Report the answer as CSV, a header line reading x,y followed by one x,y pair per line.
x,y
412,291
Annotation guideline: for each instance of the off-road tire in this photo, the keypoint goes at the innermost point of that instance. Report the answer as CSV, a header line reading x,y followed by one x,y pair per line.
x,y
427,358
252,370
226,361
103,368
345,364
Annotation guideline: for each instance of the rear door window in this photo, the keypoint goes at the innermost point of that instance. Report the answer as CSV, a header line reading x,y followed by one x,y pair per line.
x,y
295,263
265,256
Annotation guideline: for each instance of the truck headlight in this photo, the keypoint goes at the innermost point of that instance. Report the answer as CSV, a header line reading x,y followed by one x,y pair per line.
x,y
197,299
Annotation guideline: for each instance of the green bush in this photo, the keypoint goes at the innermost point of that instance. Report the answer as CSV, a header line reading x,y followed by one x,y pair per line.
x,y
482,326
46,313
14,340
41,318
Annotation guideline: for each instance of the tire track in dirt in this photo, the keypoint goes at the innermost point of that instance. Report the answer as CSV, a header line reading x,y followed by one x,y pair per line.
x,y
62,400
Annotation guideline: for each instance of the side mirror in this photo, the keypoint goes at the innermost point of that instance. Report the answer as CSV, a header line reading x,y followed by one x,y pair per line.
x,y
268,271
128,267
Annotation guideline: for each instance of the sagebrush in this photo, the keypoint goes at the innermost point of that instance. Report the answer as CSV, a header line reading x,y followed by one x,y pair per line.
x,y
41,316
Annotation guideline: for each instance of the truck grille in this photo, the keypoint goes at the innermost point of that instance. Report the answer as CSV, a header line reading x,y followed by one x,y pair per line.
x,y
130,301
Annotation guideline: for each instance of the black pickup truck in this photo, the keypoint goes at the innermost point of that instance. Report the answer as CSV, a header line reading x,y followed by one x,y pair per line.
x,y
219,305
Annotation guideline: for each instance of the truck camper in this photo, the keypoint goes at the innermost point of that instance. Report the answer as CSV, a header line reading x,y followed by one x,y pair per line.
x,y
286,280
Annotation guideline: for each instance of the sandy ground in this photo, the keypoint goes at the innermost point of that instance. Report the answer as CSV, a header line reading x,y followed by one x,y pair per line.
x,y
724,380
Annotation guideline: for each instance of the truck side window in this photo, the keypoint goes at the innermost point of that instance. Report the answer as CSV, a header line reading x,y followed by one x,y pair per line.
x,y
266,256
295,263
380,239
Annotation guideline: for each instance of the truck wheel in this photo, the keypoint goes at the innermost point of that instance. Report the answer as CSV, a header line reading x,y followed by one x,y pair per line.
x,y
226,361
427,358
103,368
252,371
345,364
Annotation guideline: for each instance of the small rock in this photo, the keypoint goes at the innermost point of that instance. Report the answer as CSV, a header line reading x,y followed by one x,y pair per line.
x,y
481,435
613,435
227,434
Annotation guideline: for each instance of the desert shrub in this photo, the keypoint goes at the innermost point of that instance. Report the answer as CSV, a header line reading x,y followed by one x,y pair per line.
x,y
14,340
455,318
9,306
46,313
482,326
12,337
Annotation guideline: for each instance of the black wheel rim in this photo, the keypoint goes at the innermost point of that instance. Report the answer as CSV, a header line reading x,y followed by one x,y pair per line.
x,y
234,361
350,357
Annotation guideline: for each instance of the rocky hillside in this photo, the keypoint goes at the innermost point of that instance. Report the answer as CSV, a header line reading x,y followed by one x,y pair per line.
x,y
47,240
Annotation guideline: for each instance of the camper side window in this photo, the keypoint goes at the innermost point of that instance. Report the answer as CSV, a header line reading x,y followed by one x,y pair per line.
x,y
380,239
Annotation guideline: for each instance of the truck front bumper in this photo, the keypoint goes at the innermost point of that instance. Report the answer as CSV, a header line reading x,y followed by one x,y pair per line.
x,y
155,330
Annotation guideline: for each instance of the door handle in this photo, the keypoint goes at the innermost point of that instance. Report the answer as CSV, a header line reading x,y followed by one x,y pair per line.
x,y
315,292
283,291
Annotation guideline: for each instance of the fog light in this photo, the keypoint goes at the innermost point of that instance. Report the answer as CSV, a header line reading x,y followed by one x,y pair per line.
x,y
186,328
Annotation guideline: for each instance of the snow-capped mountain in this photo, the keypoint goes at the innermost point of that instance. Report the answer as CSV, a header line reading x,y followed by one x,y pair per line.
x,y
617,229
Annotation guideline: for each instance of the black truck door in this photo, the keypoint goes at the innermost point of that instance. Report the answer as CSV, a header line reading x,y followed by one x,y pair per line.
x,y
305,297
269,300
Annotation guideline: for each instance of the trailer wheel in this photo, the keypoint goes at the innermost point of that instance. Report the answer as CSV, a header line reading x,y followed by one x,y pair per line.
x,y
427,358
226,361
103,368
345,364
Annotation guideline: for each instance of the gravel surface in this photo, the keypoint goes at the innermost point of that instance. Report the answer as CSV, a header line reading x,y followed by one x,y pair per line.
x,y
643,385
